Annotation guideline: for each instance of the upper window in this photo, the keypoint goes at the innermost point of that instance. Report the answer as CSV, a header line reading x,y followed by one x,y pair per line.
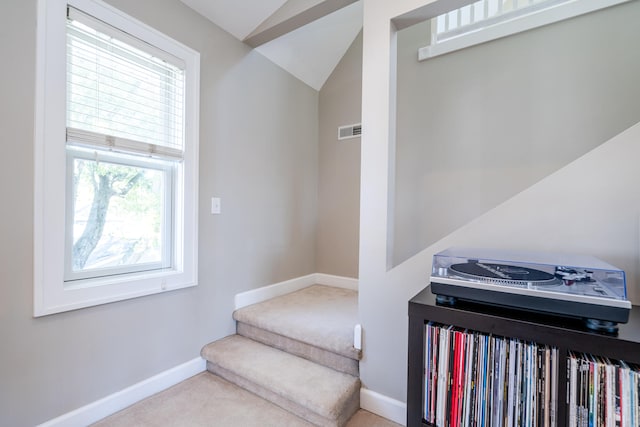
x,y
482,14
116,158
487,20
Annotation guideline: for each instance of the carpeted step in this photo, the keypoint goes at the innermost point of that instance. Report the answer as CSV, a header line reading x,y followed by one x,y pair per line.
x,y
315,323
313,392
206,400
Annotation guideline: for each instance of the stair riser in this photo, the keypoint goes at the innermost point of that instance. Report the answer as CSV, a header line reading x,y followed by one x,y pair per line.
x,y
323,357
349,408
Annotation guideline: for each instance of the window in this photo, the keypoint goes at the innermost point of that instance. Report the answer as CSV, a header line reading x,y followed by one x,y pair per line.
x,y
486,20
484,13
116,158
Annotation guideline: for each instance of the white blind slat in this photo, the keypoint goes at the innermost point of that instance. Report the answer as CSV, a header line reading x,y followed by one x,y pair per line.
x,y
89,42
102,27
122,94
87,139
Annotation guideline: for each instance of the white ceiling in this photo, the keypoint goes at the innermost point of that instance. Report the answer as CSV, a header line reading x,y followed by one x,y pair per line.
x,y
238,17
310,52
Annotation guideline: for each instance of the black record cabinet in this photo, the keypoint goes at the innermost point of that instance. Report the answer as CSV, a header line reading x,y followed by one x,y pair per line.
x,y
567,336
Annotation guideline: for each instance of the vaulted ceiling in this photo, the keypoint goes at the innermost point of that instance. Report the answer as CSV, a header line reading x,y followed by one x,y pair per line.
x,y
305,37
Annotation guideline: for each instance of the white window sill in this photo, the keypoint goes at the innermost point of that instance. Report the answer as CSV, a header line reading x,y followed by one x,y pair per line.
x,y
86,293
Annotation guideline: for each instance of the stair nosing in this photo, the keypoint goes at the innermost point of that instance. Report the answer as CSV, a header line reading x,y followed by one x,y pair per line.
x,y
348,352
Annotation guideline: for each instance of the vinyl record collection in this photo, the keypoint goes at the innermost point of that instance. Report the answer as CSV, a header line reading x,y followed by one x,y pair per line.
x,y
475,379
602,392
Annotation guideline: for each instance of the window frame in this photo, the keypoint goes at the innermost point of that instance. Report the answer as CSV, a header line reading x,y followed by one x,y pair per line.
x,y
50,169
509,24
166,168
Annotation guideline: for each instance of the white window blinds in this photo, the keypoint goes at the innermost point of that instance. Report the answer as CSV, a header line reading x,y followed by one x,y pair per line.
x,y
122,94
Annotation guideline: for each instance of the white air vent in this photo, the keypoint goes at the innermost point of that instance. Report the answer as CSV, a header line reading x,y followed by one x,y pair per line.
x,y
351,131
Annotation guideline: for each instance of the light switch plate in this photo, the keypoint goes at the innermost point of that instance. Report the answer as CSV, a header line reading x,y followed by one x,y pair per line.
x,y
216,205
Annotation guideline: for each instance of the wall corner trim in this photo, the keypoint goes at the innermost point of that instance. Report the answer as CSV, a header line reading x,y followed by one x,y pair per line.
x,y
117,401
383,406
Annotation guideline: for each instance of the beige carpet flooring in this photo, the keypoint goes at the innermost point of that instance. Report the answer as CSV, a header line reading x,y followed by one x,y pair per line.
x,y
208,400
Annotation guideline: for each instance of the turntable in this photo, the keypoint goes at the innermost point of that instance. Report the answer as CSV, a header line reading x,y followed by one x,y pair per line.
x,y
566,285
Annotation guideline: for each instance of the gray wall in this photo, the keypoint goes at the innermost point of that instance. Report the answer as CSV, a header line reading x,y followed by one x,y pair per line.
x,y
477,126
258,151
339,167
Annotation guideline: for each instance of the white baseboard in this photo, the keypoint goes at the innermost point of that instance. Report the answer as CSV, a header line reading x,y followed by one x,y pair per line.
x,y
264,293
383,406
337,281
102,408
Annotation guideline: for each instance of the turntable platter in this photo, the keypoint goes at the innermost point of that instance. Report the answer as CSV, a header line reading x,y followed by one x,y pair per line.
x,y
502,273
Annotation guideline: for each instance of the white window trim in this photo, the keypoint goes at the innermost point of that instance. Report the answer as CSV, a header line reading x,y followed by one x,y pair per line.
x,y
515,25
50,294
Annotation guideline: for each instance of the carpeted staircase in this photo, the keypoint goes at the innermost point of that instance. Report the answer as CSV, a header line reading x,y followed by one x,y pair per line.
x,y
297,352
